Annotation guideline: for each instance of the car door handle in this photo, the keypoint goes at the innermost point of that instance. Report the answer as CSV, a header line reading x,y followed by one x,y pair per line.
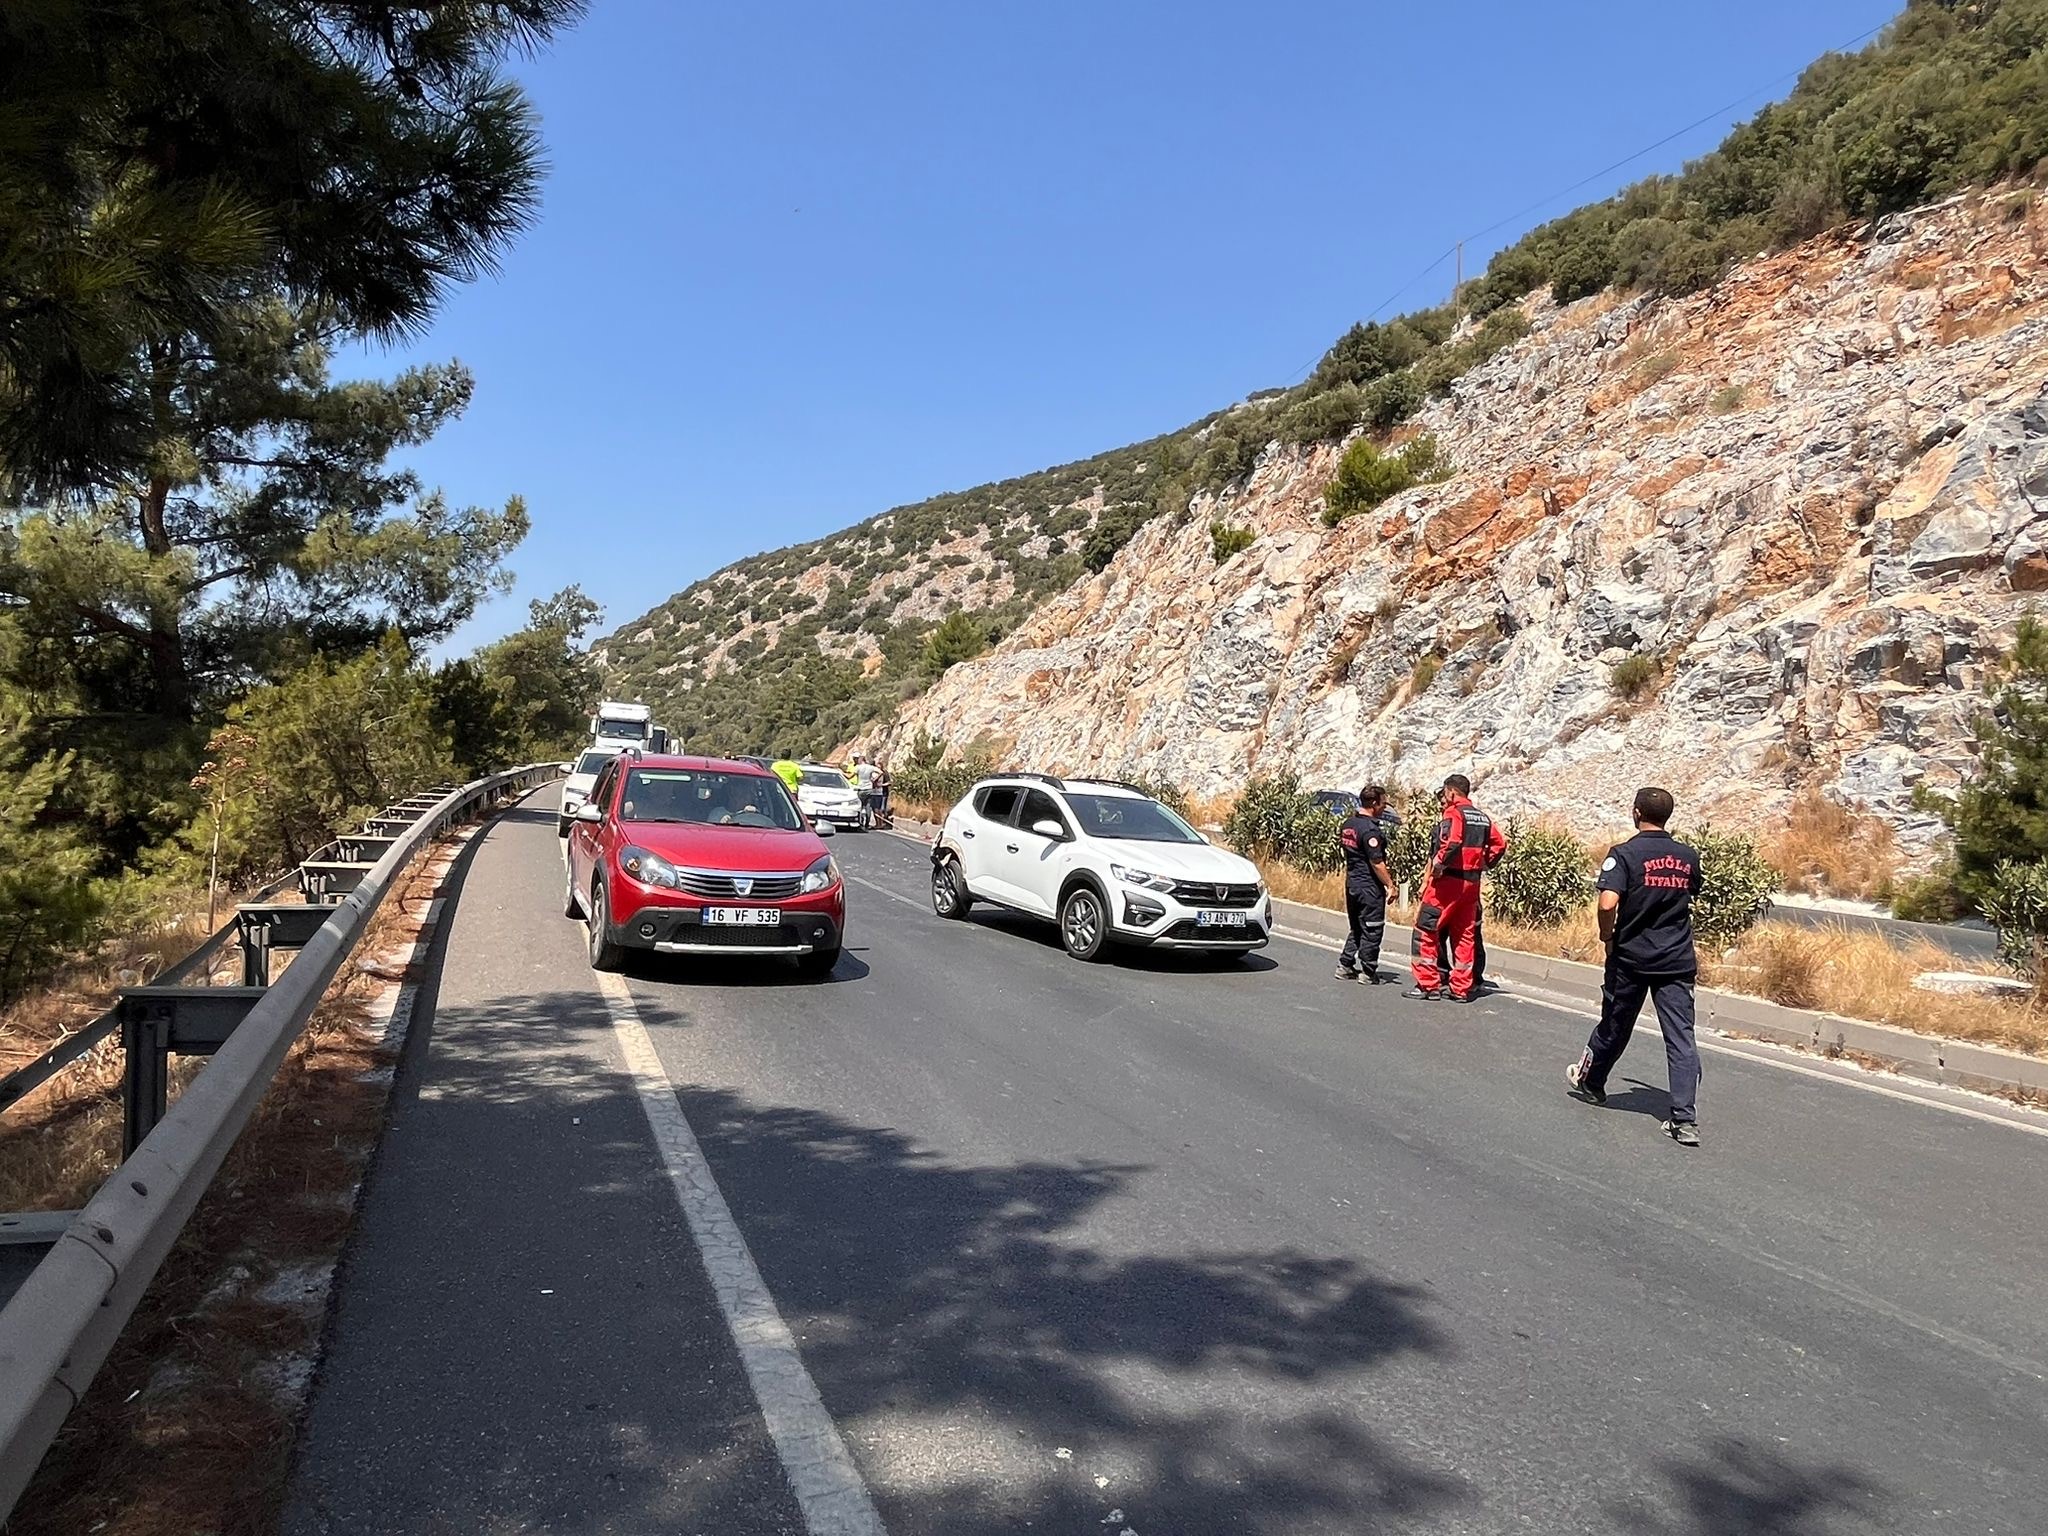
x,y
1011,846
968,835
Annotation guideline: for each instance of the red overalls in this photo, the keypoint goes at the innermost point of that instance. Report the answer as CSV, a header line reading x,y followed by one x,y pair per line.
x,y
1467,843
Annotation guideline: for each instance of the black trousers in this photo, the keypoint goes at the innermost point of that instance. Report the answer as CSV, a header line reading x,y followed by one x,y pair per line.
x,y
1367,912
1622,993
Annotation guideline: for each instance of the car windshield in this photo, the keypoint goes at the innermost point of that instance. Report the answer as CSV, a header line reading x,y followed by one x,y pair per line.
x,y
1127,818
825,778
708,799
592,762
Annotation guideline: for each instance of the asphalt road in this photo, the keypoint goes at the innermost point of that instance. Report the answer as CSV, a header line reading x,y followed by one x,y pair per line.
x,y
1156,1246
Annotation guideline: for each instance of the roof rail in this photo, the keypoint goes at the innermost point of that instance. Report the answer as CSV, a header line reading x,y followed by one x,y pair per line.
x,y
1136,789
1040,778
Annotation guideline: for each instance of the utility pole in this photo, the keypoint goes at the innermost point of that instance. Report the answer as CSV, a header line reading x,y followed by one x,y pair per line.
x,y
1458,283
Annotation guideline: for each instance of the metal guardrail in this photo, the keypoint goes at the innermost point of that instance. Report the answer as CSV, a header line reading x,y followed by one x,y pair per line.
x,y
61,1324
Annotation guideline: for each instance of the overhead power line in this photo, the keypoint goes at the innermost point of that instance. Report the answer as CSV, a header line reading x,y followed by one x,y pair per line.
x,y
1599,175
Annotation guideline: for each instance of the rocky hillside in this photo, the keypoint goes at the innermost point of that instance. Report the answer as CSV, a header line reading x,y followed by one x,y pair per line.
x,y
1812,500
759,655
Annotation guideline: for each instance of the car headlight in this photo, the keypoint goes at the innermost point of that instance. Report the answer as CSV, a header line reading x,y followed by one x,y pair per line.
x,y
1144,877
821,876
648,868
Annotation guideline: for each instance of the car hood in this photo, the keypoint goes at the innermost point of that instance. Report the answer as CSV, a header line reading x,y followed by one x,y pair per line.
x,y
743,850
1182,861
578,783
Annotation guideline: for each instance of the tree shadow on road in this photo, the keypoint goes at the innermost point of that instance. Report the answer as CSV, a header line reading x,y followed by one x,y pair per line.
x,y
1733,1487
965,1321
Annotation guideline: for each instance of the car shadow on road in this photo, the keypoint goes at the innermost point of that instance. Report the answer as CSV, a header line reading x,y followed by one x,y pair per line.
x,y
753,973
1043,932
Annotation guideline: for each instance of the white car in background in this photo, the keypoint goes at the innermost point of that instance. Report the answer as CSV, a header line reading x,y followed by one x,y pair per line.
x,y
827,795
1104,860
576,787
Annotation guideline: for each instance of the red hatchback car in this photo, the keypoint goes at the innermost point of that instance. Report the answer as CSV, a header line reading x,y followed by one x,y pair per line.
x,y
701,856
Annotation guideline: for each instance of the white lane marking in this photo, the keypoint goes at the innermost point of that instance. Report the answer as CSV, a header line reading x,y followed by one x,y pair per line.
x,y
883,890
1763,1053
827,1485
1819,1279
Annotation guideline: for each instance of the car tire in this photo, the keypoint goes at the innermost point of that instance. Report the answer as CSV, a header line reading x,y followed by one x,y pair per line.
x,y
818,964
605,953
950,896
1084,923
572,903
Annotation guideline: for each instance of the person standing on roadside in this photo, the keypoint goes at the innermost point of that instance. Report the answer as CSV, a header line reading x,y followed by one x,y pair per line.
x,y
882,812
1464,846
1647,886
1368,885
864,783
790,771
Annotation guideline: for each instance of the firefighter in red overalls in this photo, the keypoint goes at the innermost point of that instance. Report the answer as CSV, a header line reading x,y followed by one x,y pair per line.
x,y
1465,846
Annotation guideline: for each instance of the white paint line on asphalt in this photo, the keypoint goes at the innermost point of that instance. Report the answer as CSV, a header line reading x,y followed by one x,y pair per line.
x,y
1763,1053
883,890
827,1485
1969,1343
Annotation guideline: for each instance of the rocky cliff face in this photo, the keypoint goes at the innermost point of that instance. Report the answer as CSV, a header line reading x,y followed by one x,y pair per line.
x,y
1815,499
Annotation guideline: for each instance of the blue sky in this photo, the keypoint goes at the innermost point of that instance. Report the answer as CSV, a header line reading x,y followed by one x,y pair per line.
x,y
801,263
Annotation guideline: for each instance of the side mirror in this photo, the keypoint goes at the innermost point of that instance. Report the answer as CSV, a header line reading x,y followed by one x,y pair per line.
x,y
1050,828
590,813
824,829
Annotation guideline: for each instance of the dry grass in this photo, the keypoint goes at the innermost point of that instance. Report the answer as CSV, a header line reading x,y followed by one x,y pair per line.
x,y
58,1144
1861,975
1857,974
189,1427
1291,884
1827,849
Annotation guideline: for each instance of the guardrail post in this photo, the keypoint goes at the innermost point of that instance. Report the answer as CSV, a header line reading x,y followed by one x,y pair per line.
x,y
255,954
146,1077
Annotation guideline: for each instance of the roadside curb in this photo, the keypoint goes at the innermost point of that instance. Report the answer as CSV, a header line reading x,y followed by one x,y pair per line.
x,y
1928,1058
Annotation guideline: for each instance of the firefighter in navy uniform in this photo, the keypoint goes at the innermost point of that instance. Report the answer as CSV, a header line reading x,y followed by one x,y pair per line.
x,y
1367,885
1465,845
1647,886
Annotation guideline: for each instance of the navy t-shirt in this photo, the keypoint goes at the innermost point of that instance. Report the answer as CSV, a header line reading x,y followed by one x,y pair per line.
x,y
1365,844
1656,877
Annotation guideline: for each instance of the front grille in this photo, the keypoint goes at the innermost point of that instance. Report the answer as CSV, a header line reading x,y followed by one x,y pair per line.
x,y
719,886
735,938
1204,893
1250,933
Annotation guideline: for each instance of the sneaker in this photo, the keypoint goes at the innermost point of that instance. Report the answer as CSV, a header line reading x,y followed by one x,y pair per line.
x,y
1377,979
1452,997
1423,994
1345,973
1575,1079
1684,1132
1368,978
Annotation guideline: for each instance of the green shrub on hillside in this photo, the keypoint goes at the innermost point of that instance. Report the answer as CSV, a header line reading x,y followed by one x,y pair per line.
x,y
1736,886
2015,902
1367,476
1543,878
1226,540
1276,819
1408,848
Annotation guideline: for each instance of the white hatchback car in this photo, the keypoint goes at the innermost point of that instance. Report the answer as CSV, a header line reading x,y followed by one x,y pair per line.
x,y
576,787
827,796
1104,860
